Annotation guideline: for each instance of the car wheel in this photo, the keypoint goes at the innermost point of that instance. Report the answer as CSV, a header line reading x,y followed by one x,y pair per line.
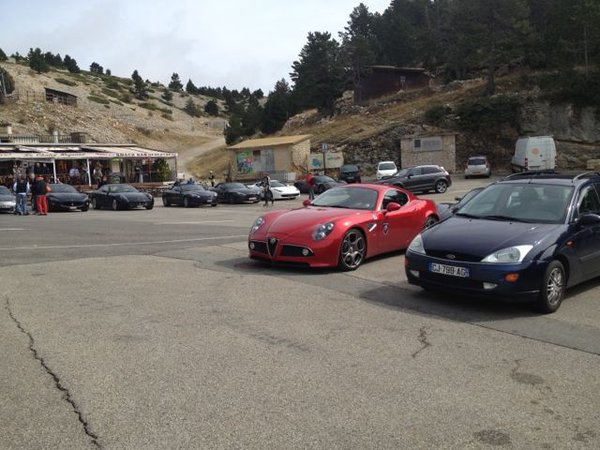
x,y
231,200
553,288
431,221
186,202
352,250
441,186
213,204
95,204
115,205
84,209
166,202
149,207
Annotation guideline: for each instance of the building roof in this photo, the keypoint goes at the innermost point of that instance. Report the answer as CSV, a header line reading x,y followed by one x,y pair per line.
x,y
93,151
270,142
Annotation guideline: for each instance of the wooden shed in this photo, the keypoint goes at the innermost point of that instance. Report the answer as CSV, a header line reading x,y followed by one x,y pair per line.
x,y
55,96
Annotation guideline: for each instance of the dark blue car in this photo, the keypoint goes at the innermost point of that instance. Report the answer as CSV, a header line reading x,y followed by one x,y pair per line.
x,y
531,235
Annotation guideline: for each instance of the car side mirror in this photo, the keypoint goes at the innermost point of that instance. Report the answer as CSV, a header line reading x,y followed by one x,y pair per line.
x,y
458,199
306,202
589,219
392,206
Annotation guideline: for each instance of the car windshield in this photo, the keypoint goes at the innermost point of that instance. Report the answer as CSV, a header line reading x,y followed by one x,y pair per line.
x,y
536,203
234,186
387,166
192,187
118,188
476,162
275,183
4,190
346,197
62,188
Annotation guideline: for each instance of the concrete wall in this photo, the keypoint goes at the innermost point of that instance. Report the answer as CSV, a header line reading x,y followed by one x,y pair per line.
x,y
286,158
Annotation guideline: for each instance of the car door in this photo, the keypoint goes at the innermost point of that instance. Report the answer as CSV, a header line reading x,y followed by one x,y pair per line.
x,y
586,241
430,176
414,179
103,198
395,228
177,195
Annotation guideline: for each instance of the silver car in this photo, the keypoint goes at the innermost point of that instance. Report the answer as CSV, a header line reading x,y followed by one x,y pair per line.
x,y
478,166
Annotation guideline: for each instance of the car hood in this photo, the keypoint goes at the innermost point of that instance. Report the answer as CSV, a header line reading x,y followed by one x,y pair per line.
x,y
244,191
7,198
304,220
67,196
480,237
133,196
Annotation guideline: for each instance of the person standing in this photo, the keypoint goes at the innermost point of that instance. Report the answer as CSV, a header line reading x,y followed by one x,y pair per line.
x,y
266,184
40,189
311,185
21,189
211,177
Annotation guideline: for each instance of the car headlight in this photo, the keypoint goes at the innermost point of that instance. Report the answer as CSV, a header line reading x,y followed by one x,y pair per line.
x,y
257,224
514,254
417,246
322,231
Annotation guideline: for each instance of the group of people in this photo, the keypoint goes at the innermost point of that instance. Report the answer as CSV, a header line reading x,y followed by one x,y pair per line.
x,y
38,190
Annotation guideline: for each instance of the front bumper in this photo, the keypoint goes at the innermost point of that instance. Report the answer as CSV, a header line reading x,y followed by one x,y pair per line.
x,y
284,249
484,280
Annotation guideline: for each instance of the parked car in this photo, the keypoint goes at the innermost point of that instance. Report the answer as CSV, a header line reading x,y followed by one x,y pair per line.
x,y
350,173
478,166
280,190
446,209
233,192
423,178
120,196
341,227
64,197
8,200
189,195
323,183
385,169
534,153
302,186
529,236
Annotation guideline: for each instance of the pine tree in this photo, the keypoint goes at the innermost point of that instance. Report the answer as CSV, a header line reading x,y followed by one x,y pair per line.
x,y
96,68
167,95
3,56
37,61
211,108
71,64
175,84
190,88
278,108
191,108
139,86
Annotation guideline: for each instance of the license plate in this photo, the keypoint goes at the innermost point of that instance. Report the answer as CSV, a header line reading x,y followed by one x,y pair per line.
x,y
454,271
251,198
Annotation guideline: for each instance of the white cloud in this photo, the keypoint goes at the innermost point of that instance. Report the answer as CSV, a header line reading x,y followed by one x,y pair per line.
x,y
231,43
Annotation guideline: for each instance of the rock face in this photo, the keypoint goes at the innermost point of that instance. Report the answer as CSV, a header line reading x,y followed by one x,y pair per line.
x,y
576,130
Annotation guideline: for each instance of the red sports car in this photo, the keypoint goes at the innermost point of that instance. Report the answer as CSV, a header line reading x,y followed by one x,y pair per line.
x,y
342,227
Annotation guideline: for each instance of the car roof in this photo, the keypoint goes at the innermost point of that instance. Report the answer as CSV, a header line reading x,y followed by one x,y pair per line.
x,y
551,177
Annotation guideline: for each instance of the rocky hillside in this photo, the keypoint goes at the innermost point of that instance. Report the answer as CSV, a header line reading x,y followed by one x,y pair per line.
x,y
106,110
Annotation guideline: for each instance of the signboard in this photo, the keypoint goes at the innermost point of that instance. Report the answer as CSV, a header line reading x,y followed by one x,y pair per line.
x,y
428,144
332,161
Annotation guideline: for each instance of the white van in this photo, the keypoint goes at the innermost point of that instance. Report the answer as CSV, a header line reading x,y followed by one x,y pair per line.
x,y
534,153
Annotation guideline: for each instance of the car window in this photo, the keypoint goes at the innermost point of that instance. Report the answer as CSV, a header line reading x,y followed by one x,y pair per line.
x,y
394,196
386,166
351,198
416,171
588,202
476,162
430,170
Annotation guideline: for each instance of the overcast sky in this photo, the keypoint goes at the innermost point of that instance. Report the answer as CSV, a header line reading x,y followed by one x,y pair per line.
x,y
233,43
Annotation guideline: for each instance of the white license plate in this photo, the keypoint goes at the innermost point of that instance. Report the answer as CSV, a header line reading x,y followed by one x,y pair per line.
x,y
454,271
251,198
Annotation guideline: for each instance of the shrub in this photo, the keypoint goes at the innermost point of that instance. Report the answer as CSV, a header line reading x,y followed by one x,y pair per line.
x,y
102,100
487,112
65,81
436,115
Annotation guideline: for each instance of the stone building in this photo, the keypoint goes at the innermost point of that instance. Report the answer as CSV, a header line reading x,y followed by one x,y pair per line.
x,y
435,149
282,157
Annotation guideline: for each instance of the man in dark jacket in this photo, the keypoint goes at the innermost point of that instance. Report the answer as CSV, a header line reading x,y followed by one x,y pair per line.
x,y
21,188
40,189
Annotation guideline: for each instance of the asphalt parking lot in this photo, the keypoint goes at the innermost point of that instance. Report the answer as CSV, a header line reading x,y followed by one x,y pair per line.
x,y
152,329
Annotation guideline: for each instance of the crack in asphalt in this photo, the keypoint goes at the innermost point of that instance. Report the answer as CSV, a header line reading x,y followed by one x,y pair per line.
x,y
423,340
65,391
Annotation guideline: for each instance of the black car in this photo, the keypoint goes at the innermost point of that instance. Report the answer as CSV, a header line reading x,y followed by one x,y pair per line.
x,y
350,173
528,236
302,186
233,192
120,196
189,195
423,178
323,183
7,200
64,197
